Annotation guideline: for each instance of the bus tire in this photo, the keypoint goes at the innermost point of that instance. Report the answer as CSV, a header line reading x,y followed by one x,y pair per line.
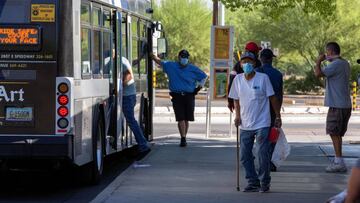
x,y
97,165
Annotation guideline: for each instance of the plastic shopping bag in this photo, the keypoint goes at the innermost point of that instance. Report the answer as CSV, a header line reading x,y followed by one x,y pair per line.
x,y
282,149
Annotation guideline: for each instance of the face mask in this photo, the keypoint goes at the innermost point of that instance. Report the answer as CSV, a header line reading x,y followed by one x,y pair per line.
x,y
184,61
248,68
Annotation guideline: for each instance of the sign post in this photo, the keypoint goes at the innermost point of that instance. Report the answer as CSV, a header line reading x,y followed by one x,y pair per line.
x,y
222,40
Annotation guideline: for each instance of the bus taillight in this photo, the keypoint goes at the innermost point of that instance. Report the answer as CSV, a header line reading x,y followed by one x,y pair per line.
x,y
63,111
63,88
63,100
63,123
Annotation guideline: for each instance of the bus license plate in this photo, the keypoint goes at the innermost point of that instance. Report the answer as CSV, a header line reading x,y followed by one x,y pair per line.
x,y
19,114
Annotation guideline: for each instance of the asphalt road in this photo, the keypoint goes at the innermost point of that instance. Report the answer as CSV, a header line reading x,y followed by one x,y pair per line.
x,y
57,185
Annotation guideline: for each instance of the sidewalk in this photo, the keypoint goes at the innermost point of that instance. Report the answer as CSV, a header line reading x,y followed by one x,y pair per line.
x,y
205,172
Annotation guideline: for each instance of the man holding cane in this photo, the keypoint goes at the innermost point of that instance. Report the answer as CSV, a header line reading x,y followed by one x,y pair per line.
x,y
252,92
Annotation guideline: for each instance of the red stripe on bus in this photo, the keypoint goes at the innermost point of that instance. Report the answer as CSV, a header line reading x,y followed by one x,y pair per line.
x,y
62,131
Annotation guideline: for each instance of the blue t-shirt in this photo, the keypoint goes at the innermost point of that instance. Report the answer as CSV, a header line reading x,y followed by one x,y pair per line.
x,y
182,79
276,79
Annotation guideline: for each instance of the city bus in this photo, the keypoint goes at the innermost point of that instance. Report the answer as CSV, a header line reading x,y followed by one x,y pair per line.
x,y
61,78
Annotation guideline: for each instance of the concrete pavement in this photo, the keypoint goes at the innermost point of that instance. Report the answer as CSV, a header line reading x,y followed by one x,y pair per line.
x,y
205,172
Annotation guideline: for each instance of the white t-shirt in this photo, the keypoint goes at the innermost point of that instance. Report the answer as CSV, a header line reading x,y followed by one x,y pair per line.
x,y
253,96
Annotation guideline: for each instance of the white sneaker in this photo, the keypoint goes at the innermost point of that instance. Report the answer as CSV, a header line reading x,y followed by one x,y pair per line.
x,y
336,168
339,198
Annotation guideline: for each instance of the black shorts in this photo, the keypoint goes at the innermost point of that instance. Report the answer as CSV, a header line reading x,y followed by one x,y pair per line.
x,y
184,105
337,121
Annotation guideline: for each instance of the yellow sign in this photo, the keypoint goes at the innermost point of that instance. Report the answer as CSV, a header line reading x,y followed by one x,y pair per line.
x,y
42,12
222,43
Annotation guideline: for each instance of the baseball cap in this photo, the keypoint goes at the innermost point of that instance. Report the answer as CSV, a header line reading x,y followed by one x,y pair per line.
x,y
253,47
184,53
249,55
267,53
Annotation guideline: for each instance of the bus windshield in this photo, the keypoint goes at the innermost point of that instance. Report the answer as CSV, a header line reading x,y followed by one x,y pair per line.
x,y
7,14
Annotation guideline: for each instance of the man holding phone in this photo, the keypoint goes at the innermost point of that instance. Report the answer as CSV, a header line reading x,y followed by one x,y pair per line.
x,y
337,98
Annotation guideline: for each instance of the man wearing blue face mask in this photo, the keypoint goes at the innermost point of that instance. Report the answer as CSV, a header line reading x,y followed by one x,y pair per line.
x,y
253,93
185,81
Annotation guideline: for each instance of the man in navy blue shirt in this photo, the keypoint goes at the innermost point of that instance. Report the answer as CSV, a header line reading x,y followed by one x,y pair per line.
x,y
276,79
185,81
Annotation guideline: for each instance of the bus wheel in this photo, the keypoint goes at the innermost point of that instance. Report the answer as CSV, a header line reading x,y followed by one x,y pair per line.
x,y
97,164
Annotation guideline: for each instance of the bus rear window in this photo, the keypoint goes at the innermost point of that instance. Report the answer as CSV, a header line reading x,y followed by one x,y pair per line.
x,y
14,11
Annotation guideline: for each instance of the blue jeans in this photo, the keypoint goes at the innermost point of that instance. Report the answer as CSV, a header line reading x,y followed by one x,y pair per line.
x,y
247,138
129,103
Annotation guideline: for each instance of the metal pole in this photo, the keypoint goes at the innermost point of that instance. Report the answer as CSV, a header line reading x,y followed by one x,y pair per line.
x,y
221,19
215,12
209,95
208,113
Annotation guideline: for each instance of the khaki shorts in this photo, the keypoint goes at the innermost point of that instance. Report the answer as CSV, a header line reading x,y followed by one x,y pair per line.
x,y
337,121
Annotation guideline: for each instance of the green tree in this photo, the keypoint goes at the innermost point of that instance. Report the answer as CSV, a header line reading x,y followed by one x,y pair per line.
x,y
187,25
322,7
301,36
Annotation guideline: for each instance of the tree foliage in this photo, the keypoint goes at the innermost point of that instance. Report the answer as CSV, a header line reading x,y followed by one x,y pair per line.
x,y
301,36
298,28
187,25
322,7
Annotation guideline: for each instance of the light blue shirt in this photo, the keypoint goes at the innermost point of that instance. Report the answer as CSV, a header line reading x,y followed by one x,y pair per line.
x,y
337,92
129,88
183,79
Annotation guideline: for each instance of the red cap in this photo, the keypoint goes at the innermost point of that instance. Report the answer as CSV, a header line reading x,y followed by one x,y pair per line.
x,y
253,47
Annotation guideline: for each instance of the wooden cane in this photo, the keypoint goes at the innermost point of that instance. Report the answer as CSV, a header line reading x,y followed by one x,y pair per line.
x,y
237,160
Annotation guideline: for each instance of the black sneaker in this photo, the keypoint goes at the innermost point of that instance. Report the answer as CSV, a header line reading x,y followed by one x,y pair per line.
x,y
251,188
183,142
272,167
264,188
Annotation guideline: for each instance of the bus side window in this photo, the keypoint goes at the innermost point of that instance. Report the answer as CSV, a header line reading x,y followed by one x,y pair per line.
x,y
85,53
97,55
124,38
107,52
107,19
108,56
135,47
96,48
85,42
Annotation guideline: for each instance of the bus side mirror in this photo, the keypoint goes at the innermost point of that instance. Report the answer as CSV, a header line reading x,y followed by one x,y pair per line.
x,y
162,47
